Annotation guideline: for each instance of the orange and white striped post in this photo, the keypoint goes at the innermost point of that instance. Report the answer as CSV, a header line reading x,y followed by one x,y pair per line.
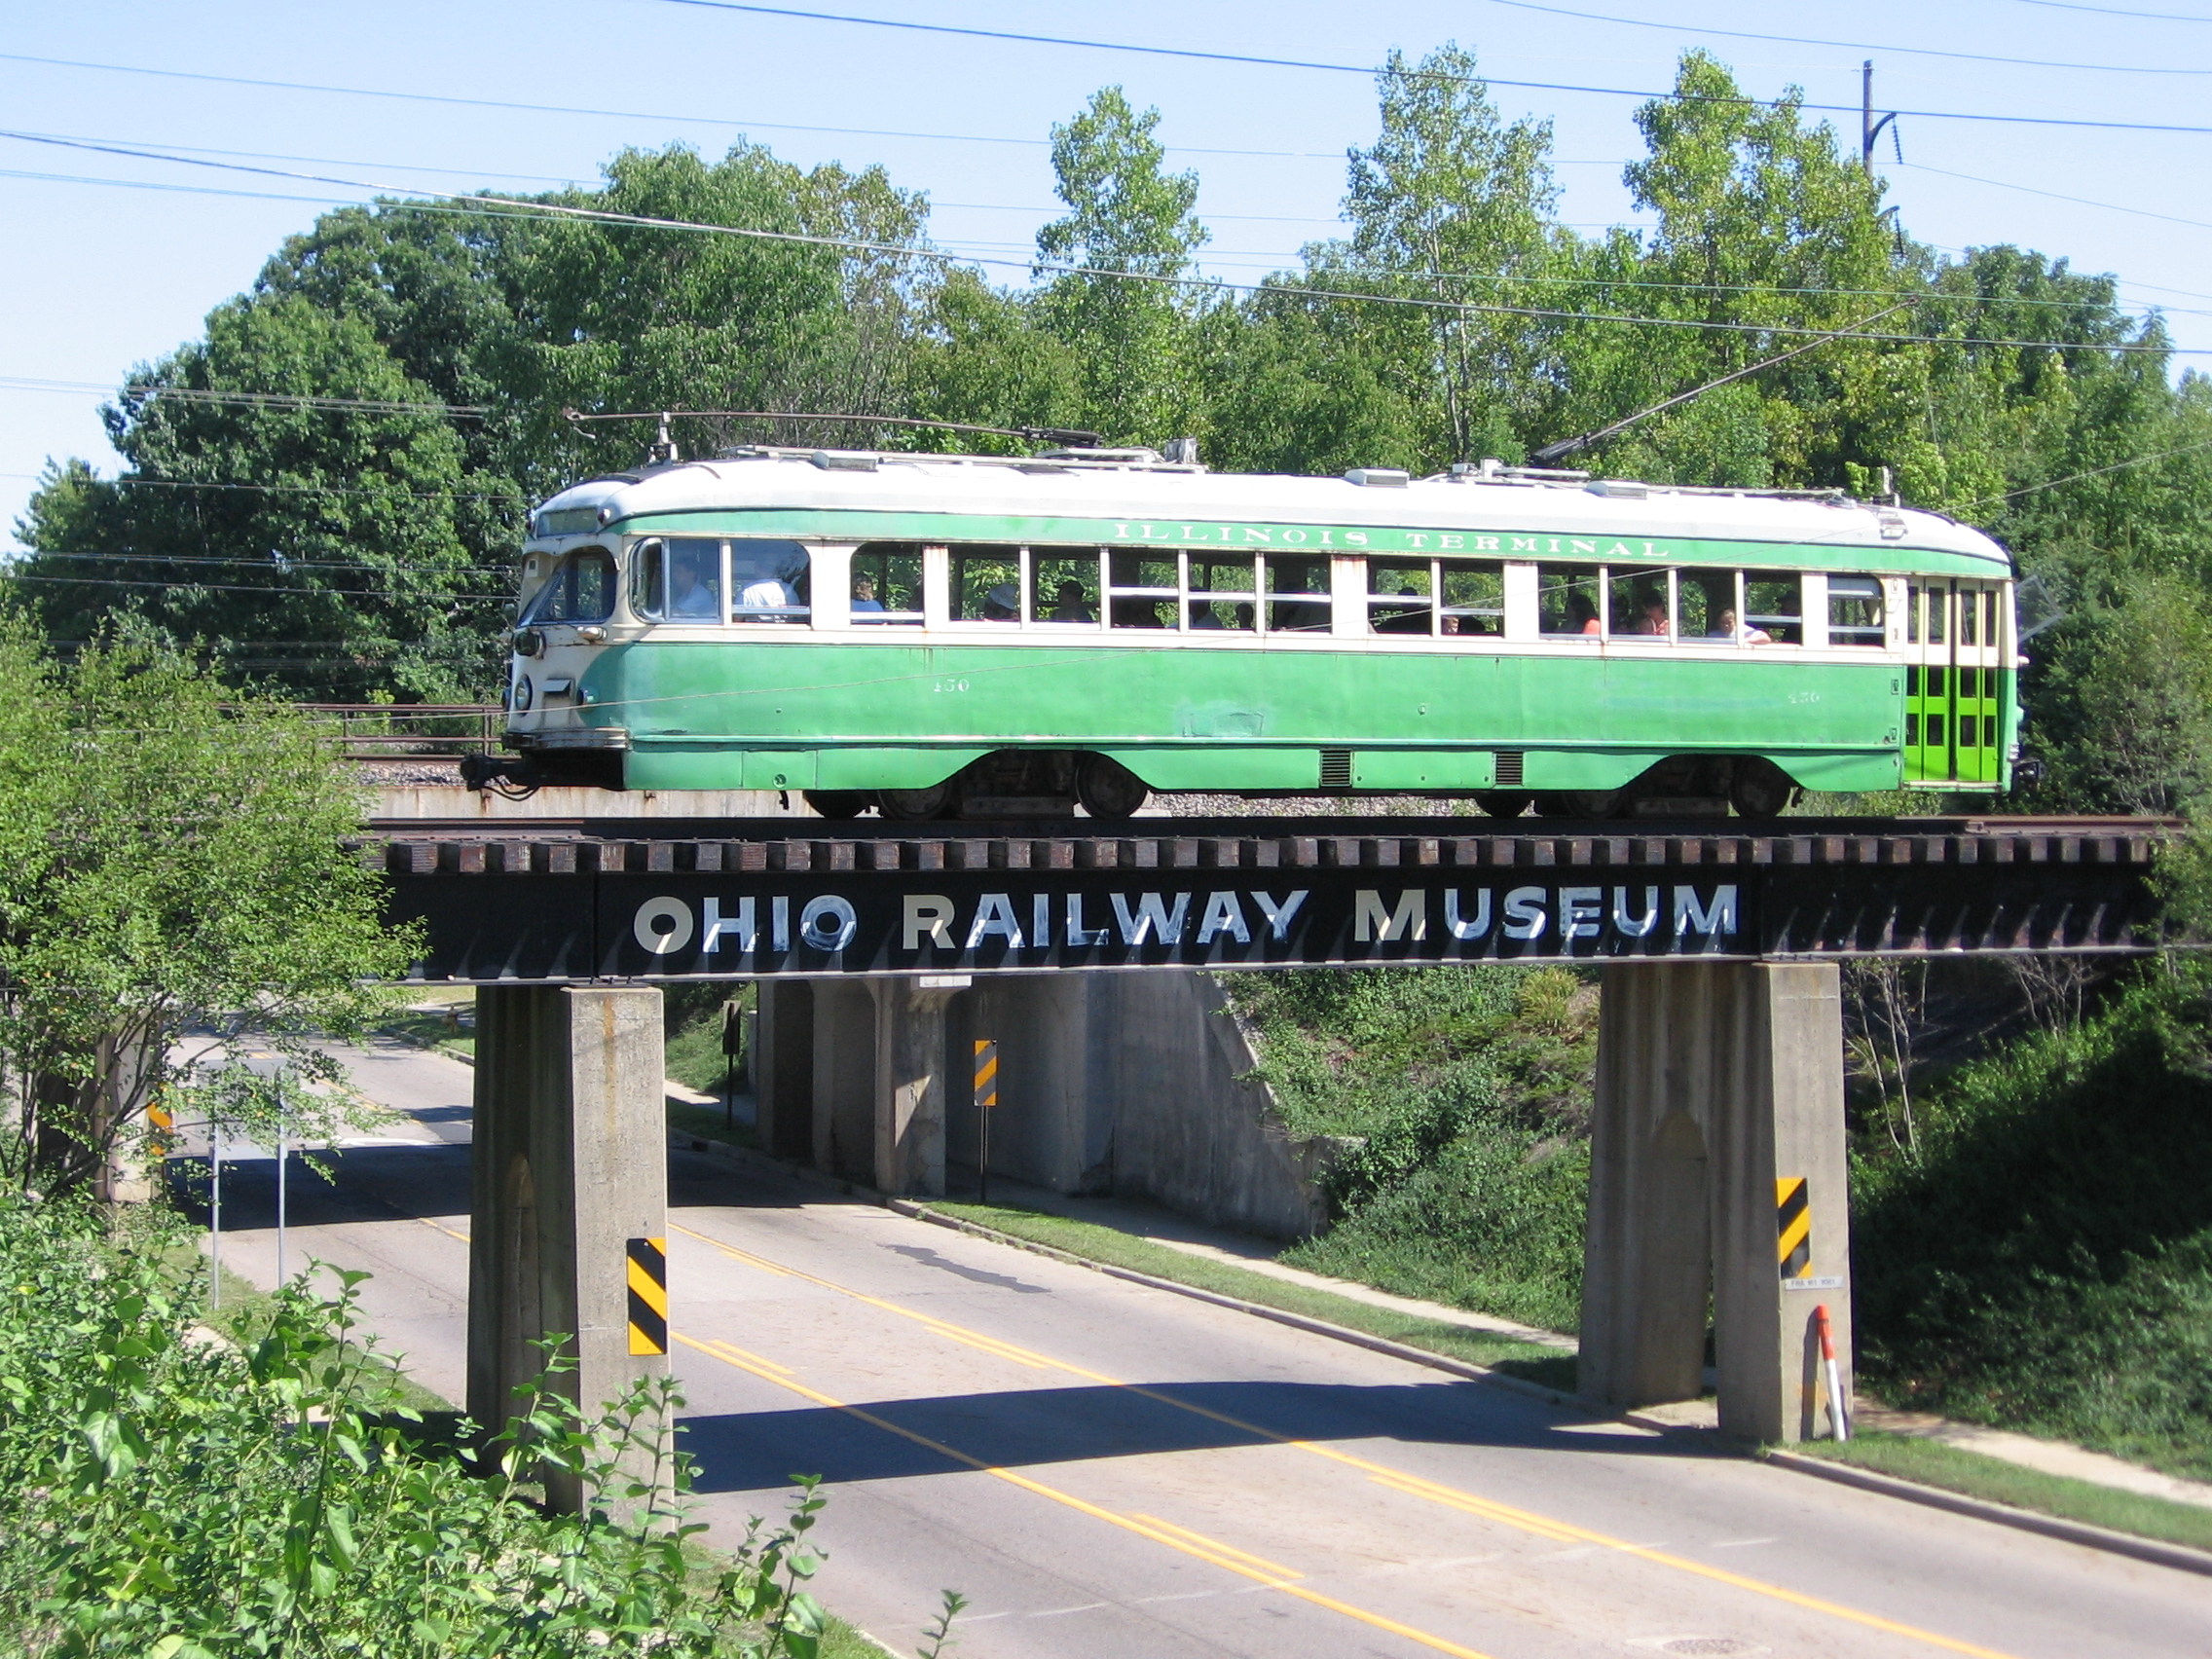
x,y
987,1096
1839,1416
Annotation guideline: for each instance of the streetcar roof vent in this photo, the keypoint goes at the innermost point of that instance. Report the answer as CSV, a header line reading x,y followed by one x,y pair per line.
x,y
1625,488
843,460
1378,477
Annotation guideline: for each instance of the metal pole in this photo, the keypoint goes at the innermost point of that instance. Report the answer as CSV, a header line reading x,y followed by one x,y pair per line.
x,y
280,1163
1866,117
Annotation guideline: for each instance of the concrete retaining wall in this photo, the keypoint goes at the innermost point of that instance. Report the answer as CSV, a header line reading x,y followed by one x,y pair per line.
x,y
1134,1085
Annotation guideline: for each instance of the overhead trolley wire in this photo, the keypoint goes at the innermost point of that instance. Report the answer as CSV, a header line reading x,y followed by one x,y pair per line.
x,y
507,207
1409,74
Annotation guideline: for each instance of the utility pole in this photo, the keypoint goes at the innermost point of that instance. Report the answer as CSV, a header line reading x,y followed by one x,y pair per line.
x,y
1869,129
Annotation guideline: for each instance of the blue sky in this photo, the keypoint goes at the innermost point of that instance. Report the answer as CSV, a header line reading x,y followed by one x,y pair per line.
x,y
100,277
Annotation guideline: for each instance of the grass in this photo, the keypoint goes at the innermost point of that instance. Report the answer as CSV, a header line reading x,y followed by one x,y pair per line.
x,y
1095,1244
706,1124
432,1029
1971,1474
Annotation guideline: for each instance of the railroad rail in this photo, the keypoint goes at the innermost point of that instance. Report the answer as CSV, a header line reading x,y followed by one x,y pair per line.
x,y
574,899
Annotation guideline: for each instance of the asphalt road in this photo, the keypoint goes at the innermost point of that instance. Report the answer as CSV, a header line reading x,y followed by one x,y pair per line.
x,y
1107,1471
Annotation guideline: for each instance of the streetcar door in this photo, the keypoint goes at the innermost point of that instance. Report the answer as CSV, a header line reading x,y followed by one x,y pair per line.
x,y
1953,631
1928,618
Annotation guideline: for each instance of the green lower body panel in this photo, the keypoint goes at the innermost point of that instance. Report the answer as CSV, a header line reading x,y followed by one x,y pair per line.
x,y
824,715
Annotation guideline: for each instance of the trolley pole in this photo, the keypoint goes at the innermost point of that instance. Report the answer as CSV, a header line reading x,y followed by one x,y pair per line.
x,y
986,1098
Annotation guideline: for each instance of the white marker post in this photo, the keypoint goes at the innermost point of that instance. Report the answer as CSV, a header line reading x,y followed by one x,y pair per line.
x,y
278,1084
215,1218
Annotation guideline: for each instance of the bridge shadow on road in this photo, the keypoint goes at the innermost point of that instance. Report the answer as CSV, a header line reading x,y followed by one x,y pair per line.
x,y
751,1451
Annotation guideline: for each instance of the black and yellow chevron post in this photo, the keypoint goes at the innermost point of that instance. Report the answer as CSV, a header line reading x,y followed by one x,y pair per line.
x,y
987,1096
1792,1226
649,1295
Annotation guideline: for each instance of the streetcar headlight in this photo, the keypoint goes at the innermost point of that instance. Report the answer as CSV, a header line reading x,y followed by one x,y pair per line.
x,y
523,693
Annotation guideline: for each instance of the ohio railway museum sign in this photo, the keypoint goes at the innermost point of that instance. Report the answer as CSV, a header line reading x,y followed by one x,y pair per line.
x,y
654,900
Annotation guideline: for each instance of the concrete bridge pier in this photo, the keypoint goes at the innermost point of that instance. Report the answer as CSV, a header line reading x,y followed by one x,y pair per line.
x,y
570,1163
858,1076
1719,1089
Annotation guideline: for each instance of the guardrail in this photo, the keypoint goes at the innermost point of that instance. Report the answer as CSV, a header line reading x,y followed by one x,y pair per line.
x,y
408,731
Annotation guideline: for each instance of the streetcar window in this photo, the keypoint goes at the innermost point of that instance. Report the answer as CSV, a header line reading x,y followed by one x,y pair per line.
x,y
1401,596
1705,605
1774,605
694,582
1637,605
1566,600
1855,612
1297,592
1970,608
769,579
986,584
887,583
580,589
1063,586
1474,598
1142,589
648,577
1223,592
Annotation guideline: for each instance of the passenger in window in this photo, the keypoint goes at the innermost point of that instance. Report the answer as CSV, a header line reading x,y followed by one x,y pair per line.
x,y
1003,603
1068,605
765,593
864,595
1651,613
695,595
1136,613
1413,619
1582,614
1730,629
1203,616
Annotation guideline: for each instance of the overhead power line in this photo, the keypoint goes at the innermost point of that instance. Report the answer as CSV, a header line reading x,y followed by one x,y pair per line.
x,y
562,213
1369,69
2116,12
2094,472
1212,256
266,592
732,121
1846,45
2055,195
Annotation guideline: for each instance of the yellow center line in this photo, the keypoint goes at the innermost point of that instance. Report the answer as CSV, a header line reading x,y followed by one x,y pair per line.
x,y
442,1227
1541,1525
1178,1538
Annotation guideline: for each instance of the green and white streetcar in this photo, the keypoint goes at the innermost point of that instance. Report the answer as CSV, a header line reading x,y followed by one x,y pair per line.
x,y
939,636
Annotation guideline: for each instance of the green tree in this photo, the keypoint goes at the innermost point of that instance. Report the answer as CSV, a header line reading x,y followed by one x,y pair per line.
x,y
292,498
173,876
1135,340
1451,204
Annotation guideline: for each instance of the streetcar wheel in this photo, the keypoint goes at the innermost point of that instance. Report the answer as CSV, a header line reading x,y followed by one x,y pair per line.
x,y
1503,803
1760,789
1594,803
914,807
1555,803
839,803
1106,788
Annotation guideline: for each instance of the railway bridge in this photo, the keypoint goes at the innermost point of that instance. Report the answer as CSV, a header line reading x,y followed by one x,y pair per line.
x,y
1719,1162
